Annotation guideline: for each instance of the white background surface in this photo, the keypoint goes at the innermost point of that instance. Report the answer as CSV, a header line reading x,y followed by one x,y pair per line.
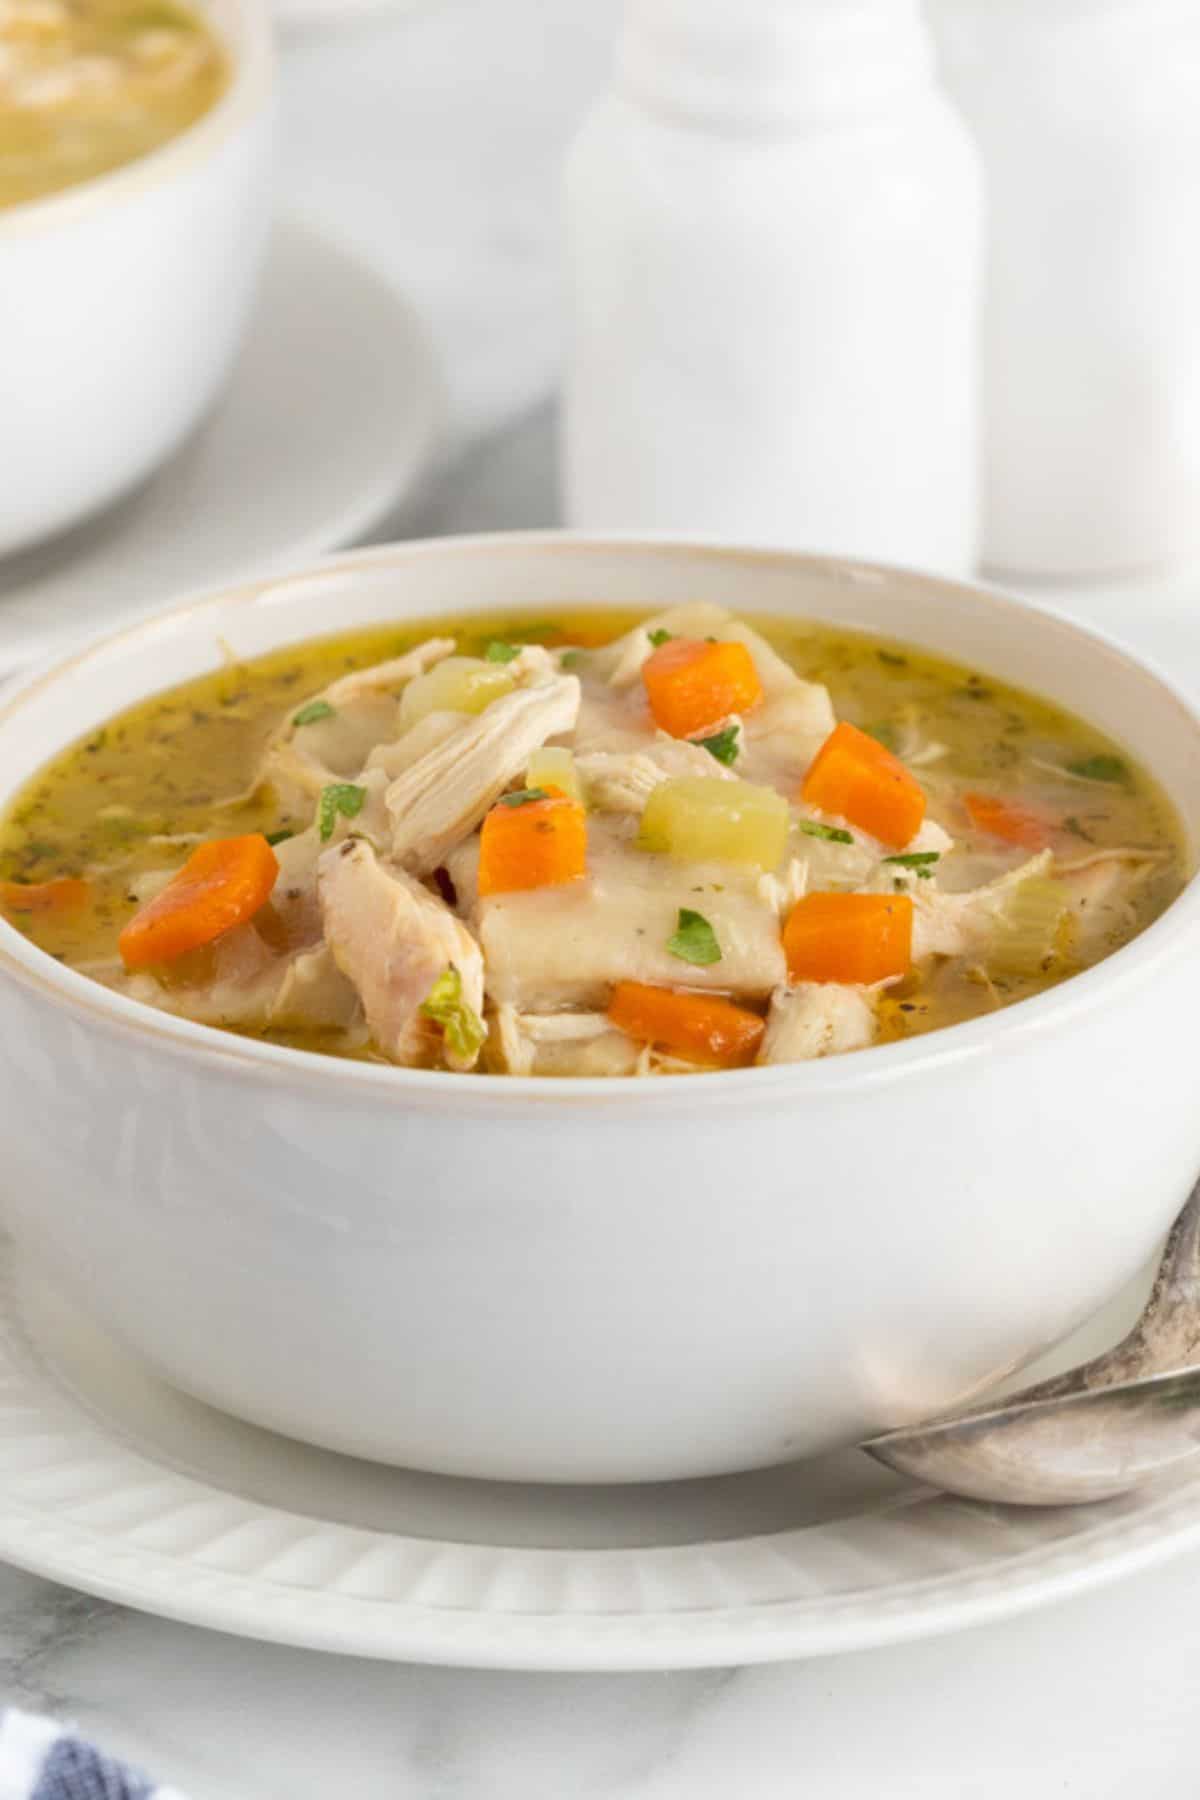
x,y
430,142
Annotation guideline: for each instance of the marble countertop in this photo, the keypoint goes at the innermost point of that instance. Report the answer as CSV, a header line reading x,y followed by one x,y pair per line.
x,y
429,141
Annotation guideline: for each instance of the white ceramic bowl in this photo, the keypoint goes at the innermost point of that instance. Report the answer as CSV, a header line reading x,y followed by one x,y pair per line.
x,y
591,1280
122,300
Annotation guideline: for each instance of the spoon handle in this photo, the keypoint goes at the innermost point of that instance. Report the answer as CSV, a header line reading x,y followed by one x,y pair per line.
x,y
1166,1337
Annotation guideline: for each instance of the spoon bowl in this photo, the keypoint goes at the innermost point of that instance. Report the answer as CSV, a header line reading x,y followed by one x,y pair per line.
x,y
1087,1446
1091,1433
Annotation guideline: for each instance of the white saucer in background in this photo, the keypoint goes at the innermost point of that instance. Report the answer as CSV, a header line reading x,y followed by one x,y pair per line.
x,y
112,1482
328,421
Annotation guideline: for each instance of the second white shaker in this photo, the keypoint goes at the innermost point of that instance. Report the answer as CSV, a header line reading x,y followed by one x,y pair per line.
x,y
1087,113
774,245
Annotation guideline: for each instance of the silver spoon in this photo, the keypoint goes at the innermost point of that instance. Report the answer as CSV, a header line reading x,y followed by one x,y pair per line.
x,y
1092,1432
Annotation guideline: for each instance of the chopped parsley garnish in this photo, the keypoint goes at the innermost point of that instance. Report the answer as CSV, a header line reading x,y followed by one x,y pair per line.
x,y
1077,830
278,837
829,834
463,1029
498,652
1099,768
339,797
660,637
884,733
892,658
694,940
316,709
919,861
522,796
723,745
570,659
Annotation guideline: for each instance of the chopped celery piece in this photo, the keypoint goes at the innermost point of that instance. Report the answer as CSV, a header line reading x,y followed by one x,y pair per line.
x,y
1029,931
553,766
464,684
701,819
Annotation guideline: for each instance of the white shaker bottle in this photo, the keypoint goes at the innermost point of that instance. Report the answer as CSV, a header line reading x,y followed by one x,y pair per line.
x,y
773,230
1087,114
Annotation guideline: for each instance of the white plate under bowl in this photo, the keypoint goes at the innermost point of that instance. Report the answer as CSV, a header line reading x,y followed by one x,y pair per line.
x,y
329,419
112,1482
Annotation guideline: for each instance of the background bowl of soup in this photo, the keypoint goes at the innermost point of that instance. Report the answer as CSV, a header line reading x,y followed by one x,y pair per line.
x,y
134,202
599,1279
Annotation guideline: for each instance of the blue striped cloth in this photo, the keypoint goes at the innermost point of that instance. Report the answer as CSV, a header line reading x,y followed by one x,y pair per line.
x,y
41,1760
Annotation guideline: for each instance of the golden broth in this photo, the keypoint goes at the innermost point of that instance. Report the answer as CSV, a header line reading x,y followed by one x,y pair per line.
x,y
88,85
137,794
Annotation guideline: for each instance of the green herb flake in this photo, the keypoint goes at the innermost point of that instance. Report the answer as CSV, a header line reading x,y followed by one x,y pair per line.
x,y
570,659
660,637
884,733
340,797
829,834
315,710
462,1028
522,796
498,652
724,745
1099,768
1077,830
694,940
915,859
278,837
892,659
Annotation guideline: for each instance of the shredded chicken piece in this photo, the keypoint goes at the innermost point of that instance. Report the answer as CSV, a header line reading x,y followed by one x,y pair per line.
x,y
364,712
1074,864
788,728
1100,890
426,735
388,676
931,836
440,799
926,755
960,924
623,780
817,1018
252,989
781,892
631,652
533,666
567,1043
393,939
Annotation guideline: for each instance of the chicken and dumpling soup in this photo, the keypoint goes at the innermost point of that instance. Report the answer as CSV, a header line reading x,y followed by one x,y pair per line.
x,y
594,845
87,85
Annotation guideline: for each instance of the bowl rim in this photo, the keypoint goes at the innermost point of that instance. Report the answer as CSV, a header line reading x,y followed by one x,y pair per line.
x,y
249,46
879,1066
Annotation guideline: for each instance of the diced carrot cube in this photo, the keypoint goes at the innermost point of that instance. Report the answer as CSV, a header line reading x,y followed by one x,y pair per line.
x,y
856,778
66,893
222,884
692,684
1007,820
853,938
701,1027
532,844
